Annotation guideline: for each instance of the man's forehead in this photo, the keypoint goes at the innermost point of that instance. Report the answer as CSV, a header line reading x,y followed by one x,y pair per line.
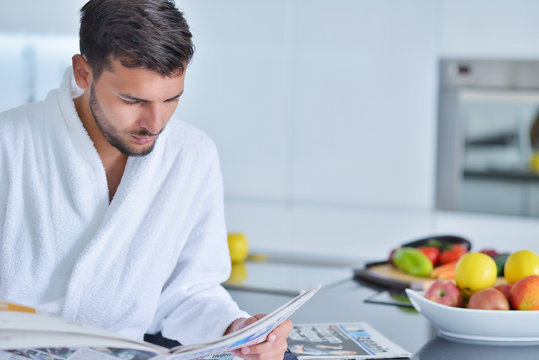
x,y
133,74
115,65
141,83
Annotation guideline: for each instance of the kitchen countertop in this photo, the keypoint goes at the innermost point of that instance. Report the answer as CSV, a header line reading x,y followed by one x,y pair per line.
x,y
344,301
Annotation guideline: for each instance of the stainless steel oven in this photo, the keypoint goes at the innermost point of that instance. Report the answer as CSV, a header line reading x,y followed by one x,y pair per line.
x,y
485,154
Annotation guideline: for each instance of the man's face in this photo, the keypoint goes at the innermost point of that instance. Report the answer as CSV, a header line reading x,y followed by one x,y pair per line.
x,y
132,106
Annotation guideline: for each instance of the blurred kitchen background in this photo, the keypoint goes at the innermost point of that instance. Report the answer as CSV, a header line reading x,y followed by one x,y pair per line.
x,y
345,127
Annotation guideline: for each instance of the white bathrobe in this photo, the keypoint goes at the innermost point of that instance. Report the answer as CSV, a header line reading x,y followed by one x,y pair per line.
x,y
151,260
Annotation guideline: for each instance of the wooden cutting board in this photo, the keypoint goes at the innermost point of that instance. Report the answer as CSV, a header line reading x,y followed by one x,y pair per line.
x,y
385,274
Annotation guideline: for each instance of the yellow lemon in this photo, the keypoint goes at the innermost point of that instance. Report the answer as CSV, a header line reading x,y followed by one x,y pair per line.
x,y
238,247
475,271
521,264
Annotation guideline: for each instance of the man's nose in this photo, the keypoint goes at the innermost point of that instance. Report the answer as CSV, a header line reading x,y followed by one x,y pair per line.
x,y
153,120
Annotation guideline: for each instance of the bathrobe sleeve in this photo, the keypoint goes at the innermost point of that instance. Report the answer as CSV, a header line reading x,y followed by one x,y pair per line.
x,y
194,307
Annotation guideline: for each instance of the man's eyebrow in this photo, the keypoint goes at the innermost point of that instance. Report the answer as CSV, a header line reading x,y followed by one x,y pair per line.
x,y
134,98
175,96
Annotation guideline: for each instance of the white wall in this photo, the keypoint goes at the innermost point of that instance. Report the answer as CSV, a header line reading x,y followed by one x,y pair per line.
x,y
489,28
364,100
37,16
324,113
237,89
332,148
32,64
322,101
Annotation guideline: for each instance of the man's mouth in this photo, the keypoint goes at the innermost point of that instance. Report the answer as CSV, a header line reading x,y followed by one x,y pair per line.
x,y
143,140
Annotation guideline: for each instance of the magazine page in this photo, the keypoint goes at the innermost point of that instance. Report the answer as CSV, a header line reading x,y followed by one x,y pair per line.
x,y
25,329
356,340
69,353
249,335
17,339
89,353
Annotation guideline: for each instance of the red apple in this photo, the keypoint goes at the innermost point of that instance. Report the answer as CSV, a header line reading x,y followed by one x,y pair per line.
x,y
524,295
488,299
445,292
504,288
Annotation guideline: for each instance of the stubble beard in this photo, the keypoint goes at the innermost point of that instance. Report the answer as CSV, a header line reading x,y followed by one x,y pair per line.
x,y
111,134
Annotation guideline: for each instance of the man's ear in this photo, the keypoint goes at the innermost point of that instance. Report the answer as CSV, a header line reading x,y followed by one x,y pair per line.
x,y
82,71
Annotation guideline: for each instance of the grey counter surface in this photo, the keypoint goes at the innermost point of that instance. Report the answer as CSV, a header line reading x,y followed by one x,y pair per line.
x,y
344,302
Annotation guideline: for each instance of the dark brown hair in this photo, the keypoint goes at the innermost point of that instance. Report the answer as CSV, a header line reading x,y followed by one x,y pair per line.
x,y
151,34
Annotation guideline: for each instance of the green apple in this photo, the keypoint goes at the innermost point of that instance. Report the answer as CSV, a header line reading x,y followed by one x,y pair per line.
x,y
412,261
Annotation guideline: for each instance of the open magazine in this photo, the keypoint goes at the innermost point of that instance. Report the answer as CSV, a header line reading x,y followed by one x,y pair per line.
x,y
26,334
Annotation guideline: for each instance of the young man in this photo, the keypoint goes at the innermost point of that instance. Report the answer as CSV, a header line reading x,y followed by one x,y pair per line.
x,y
111,214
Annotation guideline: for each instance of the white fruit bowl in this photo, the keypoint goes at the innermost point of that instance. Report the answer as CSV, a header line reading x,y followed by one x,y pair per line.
x,y
507,326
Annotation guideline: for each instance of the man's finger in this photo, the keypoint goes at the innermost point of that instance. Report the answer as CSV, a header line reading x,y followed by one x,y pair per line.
x,y
274,354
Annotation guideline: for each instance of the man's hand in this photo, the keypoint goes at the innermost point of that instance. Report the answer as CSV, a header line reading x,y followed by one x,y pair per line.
x,y
271,349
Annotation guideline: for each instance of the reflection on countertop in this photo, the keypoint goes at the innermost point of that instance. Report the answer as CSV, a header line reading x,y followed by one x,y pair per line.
x,y
439,348
288,273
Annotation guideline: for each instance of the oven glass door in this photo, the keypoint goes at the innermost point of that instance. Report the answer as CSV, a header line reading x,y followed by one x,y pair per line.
x,y
497,168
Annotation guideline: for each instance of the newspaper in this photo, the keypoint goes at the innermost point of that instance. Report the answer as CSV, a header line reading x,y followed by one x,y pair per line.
x,y
356,340
27,335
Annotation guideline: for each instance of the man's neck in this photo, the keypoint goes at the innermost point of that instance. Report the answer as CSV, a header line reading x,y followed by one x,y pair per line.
x,y
113,160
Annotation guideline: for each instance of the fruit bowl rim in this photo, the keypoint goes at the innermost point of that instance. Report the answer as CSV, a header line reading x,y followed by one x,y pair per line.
x,y
455,308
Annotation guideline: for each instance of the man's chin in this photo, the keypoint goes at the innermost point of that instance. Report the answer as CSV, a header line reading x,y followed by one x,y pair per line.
x,y
135,151
141,152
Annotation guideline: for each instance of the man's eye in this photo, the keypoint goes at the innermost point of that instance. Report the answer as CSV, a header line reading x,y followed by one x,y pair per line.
x,y
130,102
